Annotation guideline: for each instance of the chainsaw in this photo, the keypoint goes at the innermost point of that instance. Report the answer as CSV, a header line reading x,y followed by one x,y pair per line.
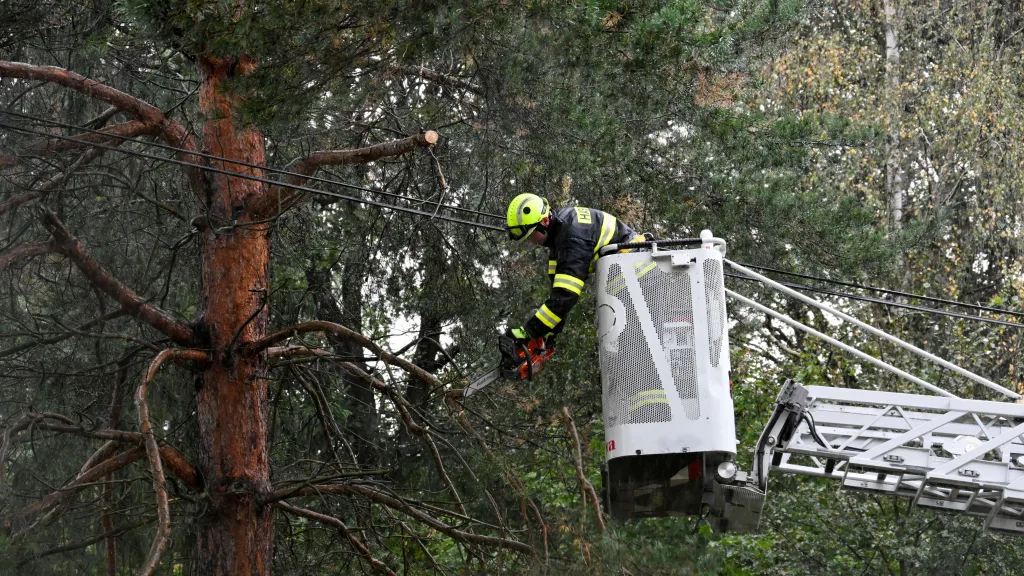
x,y
520,360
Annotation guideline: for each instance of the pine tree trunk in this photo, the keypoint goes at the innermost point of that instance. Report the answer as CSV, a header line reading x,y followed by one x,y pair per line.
x,y
235,535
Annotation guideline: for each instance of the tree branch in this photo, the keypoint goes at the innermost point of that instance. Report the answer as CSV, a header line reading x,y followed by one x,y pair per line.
x,y
46,187
404,507
26,250
441,78
71,247
175,460
163,507
172,131
112,464
108,138
110,533
586,488
337,523
280,197
344,333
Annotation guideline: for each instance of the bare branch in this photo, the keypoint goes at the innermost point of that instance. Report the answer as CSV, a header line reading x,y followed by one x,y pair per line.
x,y
163,507
176,462
344,333
107,534
441,78
337,523
53,340
48,502
172,131
586,488
55,146
281,197
71,247
26,250
46,187
404,507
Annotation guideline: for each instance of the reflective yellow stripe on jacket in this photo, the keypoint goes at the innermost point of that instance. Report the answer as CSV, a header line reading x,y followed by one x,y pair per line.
x,y
607,231
546,316
570,283
552,266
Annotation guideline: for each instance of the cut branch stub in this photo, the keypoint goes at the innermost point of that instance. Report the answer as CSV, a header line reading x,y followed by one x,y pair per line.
x,y
281,197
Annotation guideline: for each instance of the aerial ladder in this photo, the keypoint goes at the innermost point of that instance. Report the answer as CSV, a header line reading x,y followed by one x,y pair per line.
x,y
669,423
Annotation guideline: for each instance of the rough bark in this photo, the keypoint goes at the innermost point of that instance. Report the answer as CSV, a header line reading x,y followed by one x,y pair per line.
x,y
236,535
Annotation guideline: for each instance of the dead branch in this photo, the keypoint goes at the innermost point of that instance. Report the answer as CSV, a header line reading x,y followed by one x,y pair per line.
x,y
402,506
290,351
323,412
176,462
46,187
516,484
26,250
282,197
109,533
163,507
344,333
46,503
402,405
54,339
111,136
587,491
340,525
441,78
68,245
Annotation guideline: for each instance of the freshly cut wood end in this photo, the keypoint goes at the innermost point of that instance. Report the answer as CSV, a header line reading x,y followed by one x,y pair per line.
x,y
430,137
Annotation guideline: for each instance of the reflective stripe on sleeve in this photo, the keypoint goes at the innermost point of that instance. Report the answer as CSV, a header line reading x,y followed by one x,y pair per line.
x,y
552,266
607,231
570,283
548,317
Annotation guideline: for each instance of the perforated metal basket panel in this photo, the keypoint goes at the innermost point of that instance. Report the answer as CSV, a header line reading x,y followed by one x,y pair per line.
x,y
634,391
633,394
669,299
714,292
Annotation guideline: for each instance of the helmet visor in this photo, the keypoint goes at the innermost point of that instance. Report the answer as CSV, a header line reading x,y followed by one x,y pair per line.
x,y
520,233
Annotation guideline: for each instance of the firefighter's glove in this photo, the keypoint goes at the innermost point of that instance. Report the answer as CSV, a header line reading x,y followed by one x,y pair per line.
x,y
517,334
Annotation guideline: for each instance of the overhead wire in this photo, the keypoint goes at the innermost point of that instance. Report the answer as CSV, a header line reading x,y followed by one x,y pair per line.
x,y
888,291
257,178
471,223
888,303
237,162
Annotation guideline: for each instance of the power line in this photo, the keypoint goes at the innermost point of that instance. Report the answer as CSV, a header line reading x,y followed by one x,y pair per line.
x,y
887,291
237,162
887,303
488,215
257,178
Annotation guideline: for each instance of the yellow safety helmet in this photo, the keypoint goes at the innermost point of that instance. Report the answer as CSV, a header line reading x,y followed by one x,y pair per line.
x,y
525,213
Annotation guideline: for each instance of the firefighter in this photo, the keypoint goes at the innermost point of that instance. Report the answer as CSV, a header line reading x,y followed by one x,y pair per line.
x,y
573,237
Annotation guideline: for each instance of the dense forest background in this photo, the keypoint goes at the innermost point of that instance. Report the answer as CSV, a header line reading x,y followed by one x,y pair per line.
x,y
208,374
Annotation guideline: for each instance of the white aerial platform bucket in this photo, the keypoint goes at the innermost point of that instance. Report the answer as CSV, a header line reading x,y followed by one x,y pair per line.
x,y
668,411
